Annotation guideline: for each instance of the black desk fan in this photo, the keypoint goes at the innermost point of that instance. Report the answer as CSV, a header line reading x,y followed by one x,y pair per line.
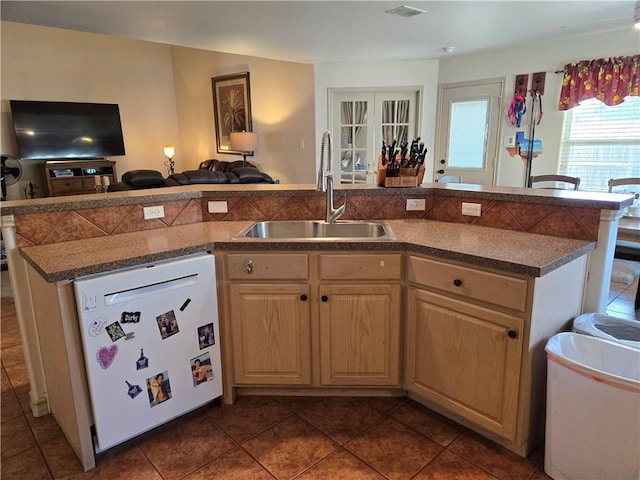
x,y
10,172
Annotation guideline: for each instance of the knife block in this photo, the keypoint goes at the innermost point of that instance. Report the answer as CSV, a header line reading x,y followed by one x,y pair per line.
x,y
408,177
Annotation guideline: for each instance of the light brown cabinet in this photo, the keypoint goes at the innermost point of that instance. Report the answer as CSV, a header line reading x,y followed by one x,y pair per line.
x,y
271,333
474,343
315,319
464,358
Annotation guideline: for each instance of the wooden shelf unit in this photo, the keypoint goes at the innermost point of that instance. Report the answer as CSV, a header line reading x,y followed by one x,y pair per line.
x,y
79,178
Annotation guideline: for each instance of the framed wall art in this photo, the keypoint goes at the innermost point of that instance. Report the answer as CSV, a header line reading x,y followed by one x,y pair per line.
x,y
231,108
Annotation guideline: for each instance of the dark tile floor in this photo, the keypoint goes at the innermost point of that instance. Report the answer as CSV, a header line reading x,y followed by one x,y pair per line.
x,y
265,437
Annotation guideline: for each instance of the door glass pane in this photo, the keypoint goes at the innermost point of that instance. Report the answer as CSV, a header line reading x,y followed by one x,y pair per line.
x,y
346,112
468,134
395,121
388,111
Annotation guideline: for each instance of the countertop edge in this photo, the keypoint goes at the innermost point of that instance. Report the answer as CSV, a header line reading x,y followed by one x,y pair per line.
x,y
155,250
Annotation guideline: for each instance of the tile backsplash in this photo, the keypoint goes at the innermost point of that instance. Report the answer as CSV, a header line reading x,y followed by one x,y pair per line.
x,y
60,226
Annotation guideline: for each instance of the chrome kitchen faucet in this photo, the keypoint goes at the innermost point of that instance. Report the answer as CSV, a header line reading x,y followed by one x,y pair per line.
x,y
325,180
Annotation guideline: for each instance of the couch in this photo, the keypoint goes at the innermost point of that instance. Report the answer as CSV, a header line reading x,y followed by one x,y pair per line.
x,y
209,172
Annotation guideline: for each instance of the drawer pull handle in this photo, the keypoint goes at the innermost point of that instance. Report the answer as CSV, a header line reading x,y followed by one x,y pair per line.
x,y
249,266
457,282
324,298
303,297
512,334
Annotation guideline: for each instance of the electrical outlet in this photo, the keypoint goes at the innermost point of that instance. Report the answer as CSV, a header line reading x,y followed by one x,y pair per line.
x,y
153,212
471,209
218,207
415,204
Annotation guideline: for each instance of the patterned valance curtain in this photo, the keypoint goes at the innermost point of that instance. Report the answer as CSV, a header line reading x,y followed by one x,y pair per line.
x,y
607,79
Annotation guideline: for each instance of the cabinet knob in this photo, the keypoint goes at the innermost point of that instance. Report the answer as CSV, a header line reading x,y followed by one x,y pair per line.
x,y
512,334
303,297
248,266
324,298
457,282
441,171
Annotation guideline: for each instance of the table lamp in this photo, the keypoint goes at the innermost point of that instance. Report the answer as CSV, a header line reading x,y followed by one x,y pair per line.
x,y
245,142
169,152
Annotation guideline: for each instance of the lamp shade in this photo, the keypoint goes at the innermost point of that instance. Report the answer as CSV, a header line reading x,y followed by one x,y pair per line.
x,y
244,141
169,151
636,15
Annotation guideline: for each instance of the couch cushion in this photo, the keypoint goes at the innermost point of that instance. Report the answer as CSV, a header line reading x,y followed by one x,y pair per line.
x,y
143,178
248,175
205,176
179,179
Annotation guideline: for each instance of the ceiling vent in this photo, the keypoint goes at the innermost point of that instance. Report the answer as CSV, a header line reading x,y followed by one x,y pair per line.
x,y
406,11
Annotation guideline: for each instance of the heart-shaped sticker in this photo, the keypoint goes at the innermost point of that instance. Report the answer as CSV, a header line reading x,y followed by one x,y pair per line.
x,y
106,355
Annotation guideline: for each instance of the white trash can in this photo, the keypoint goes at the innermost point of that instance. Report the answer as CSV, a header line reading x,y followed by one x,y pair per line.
x,y
593,409
621,330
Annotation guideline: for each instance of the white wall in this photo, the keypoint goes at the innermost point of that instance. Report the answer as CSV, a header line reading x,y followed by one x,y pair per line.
x,y
543,57
420,74
165,97
41,63
281,110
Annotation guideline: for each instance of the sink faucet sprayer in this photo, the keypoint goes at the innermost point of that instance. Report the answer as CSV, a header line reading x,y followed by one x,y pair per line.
x,y
325,180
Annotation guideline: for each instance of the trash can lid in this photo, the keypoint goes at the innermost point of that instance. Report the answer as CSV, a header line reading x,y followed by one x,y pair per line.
x,y
620,330
603,360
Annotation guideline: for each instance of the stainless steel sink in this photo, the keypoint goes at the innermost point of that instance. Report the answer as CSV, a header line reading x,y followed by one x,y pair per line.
x,y
318,230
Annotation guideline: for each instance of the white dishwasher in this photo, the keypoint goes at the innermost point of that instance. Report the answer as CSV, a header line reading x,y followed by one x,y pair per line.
x,y
151,344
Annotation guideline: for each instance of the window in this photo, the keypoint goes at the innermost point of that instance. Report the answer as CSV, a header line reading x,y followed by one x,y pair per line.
x,y
468,134
601,142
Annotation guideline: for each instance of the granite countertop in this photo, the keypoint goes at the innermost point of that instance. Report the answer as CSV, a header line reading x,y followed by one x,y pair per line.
x,y
512,252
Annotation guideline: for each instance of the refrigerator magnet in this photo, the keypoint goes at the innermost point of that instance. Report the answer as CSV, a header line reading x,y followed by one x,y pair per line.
x,y
201,370
115,331
167,324
142,362
97,326
106,355
133,390
159,388
184,305
130,317
206,337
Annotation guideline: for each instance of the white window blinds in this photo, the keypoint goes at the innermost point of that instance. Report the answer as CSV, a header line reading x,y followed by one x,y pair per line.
x,y
601,142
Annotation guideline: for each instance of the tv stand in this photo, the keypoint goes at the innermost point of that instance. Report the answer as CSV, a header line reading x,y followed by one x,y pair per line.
x,y
76,177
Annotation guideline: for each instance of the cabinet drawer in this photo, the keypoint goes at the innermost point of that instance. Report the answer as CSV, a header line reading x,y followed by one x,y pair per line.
x,y
67,185
376,266
489,287
265,266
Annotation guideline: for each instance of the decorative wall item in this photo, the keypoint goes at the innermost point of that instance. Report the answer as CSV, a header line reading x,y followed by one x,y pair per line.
x,y
231,107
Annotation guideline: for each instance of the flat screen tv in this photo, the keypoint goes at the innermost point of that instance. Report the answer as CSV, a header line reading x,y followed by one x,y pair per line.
x,y
67,130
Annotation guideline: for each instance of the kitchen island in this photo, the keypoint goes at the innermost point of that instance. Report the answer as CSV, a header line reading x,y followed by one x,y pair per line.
x,y
545,256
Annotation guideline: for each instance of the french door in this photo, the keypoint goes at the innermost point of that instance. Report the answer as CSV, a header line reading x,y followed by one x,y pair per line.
x,y
360,119
468,121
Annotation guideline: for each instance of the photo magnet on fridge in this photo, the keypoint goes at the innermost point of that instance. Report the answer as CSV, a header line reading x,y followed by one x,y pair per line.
x,y
206,337
201,370
159,388
167,324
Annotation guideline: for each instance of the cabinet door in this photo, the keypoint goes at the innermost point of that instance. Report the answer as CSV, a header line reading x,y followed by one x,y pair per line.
x,y
270,328
360,334
464,358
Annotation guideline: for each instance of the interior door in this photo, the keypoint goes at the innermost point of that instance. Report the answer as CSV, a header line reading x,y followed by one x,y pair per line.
x,y
467,132
361,119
